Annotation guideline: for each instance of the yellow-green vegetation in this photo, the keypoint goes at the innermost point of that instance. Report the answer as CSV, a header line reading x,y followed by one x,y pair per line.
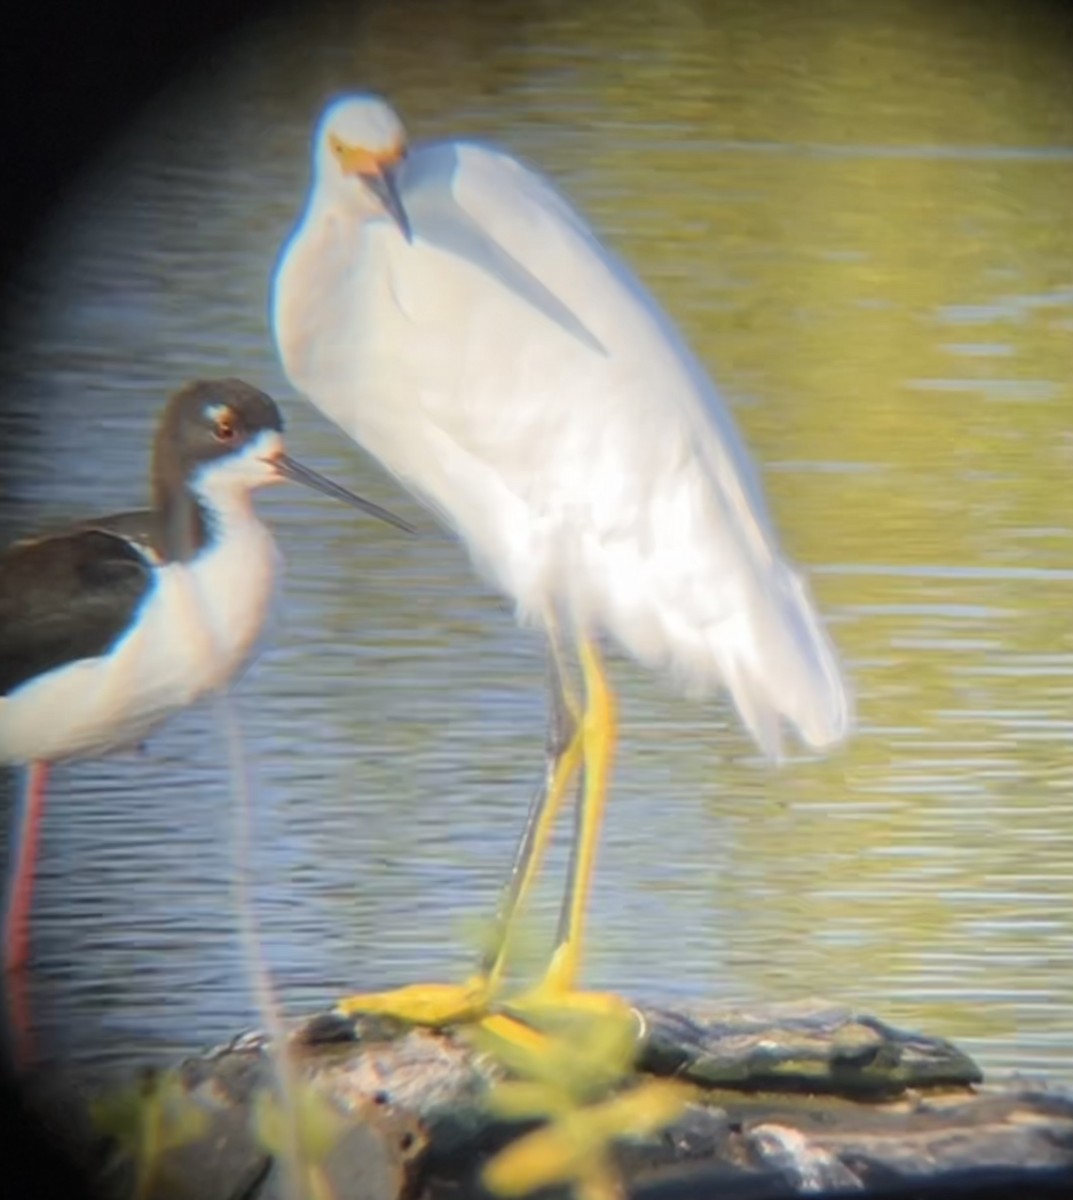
x,y
308,1128
580,1081
147,1119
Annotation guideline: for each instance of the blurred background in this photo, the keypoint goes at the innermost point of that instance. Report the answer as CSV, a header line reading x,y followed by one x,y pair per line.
x,y
861,214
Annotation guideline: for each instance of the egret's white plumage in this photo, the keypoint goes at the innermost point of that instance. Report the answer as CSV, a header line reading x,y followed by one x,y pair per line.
x,y
452,313
515,374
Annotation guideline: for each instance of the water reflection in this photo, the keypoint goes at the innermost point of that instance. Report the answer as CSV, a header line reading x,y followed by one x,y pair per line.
x,y
873,250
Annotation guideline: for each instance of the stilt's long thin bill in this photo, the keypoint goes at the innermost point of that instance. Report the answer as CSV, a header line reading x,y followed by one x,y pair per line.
x,y
289,468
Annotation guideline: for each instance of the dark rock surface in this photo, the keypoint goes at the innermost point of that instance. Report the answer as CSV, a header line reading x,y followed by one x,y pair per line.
x,y
790,1099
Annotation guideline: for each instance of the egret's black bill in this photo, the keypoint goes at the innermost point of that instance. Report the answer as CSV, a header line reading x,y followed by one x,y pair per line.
x,y
290,469
385,189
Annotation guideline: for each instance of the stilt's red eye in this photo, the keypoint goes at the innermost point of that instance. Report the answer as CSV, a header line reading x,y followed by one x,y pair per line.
x,y
224,429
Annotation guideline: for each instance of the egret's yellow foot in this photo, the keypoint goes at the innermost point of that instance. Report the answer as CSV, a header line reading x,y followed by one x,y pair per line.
x,y
433,1005
563,1012
582,1043
556,1006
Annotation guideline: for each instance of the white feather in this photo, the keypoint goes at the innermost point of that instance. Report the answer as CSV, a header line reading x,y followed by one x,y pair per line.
x,y
610,489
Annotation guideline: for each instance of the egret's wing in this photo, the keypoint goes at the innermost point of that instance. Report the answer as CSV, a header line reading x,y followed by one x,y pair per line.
x,y
754,616
600,470
520,218
431,191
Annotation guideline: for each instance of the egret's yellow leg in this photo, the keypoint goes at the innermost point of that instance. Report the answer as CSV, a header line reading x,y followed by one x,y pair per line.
x,y
556,999
436,1004
599,730
562,760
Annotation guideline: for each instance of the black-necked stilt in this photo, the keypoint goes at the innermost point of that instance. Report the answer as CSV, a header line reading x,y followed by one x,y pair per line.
x,y
109,627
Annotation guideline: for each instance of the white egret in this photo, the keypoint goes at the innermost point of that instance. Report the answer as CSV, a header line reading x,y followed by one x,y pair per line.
x,y
455,316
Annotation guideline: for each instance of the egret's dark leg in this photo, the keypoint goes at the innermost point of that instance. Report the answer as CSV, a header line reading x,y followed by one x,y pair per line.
x,y
435,1004
556,1002
21,884
562,753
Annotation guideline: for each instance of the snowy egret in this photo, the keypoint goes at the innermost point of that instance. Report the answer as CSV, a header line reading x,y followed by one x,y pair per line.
x,y
109,627
452,313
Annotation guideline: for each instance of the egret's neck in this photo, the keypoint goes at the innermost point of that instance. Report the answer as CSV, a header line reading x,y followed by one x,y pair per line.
x,y
344,201
316,284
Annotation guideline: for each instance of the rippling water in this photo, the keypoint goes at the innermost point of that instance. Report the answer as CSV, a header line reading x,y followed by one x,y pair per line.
x,y
861,216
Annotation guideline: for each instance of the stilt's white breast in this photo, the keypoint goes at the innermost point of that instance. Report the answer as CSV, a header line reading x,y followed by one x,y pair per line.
x,y
197,628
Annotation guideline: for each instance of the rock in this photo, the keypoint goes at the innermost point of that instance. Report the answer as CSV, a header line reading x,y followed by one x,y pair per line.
x,y
812,1046
788,1099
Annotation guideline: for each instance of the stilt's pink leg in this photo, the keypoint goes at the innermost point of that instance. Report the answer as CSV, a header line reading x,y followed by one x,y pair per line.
x,y
20,890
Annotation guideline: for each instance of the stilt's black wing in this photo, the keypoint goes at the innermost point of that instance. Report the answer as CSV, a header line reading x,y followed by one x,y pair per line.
x,y
66,597
142,527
